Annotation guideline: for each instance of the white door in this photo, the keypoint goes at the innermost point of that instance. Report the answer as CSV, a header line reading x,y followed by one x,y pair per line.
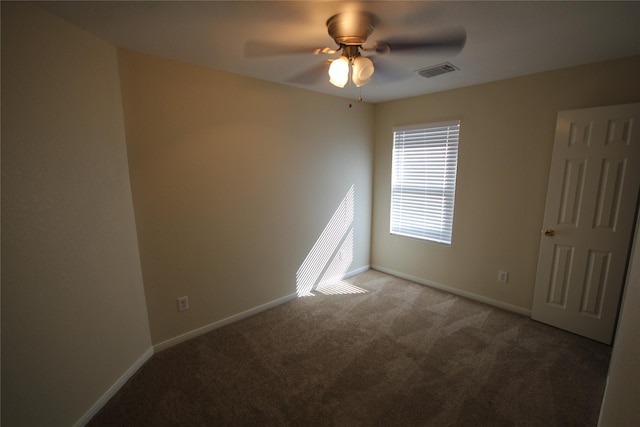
x,y
588,222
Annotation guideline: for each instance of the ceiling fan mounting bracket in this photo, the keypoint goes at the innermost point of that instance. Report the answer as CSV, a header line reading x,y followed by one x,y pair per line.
x,y
350,51
351,28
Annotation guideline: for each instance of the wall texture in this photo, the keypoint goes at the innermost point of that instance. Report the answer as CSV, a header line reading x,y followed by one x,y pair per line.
x,y
234,181
73,307
506,139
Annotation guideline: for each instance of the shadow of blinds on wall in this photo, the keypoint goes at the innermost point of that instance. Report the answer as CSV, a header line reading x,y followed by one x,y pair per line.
x,y
331,256
423,180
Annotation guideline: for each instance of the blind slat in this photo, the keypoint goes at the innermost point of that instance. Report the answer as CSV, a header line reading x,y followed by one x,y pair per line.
x,y
423,181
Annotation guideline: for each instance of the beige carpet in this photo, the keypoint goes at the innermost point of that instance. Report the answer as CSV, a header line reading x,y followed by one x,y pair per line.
x,y
399,354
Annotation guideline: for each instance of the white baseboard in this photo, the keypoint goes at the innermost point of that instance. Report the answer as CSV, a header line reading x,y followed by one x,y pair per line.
x,y
114,388
356,271
184,337
220,323
455,291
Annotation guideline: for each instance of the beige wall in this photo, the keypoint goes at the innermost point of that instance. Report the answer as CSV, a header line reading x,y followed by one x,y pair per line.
x,y
234,180
73,308
622,394
505,153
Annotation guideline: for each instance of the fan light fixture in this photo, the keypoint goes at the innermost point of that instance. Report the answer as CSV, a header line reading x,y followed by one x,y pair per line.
x,y
360,68
339,72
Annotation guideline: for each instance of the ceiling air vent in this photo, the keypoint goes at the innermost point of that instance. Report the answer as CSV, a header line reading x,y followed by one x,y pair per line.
x,y
436,70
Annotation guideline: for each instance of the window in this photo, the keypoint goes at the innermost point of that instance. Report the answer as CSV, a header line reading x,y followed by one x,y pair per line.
x,y
423,181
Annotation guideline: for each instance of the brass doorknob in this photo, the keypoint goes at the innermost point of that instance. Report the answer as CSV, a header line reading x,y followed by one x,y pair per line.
x,y
549,232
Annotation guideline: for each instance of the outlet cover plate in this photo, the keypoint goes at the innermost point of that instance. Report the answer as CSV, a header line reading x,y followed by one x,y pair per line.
x,y
183,303
503,276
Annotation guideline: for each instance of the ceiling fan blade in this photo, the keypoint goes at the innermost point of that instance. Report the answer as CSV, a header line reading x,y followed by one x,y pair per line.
x,y
386,72
254,49
450,42
312,75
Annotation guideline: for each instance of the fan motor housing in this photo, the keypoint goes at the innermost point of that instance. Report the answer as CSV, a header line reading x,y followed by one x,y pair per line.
x,y
351,28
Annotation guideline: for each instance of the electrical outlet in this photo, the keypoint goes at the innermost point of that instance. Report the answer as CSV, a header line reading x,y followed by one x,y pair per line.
x,y
183,303
503,276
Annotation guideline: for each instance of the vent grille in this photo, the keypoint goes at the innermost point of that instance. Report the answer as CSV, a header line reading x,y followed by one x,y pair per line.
x,y
436,70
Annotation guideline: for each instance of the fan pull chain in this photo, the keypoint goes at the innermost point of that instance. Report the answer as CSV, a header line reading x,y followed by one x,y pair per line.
x,y
359,97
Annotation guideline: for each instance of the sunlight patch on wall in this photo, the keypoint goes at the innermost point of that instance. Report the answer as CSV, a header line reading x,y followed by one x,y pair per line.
x,y
339,264
331,255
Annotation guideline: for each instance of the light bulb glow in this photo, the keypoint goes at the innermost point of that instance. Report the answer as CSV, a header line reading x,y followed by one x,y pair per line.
x,y
339,72
362,70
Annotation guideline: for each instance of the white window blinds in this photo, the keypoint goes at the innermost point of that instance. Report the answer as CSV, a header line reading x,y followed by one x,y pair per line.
x,y
423,182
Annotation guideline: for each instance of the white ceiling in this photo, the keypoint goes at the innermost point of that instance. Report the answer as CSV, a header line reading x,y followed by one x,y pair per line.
x,y
504,39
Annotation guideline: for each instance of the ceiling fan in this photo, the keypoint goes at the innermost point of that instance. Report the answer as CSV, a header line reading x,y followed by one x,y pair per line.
x,y
350,31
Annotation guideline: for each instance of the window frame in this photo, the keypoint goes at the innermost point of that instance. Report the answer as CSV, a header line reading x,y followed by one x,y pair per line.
x,y
423,202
